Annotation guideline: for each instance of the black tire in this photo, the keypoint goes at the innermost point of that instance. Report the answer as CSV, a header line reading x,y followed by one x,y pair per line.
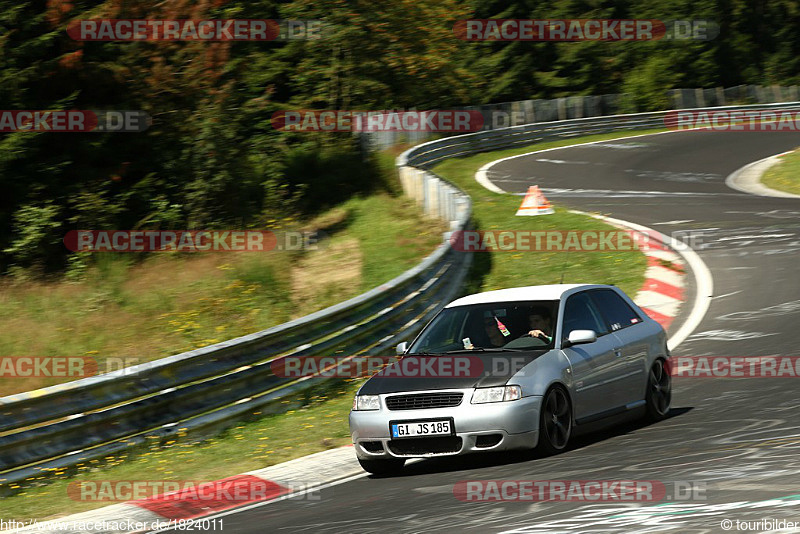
x,y
659,391
389,466
555,422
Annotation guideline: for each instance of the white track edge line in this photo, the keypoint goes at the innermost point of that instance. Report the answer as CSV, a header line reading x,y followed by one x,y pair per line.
x,y
757,188
704,282
481,178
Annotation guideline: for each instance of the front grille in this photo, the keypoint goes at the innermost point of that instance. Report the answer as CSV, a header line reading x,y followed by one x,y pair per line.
x,y
421,401
415,446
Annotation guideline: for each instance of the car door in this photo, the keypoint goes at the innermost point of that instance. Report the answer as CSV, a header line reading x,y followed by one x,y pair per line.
x,y
595,366
626,324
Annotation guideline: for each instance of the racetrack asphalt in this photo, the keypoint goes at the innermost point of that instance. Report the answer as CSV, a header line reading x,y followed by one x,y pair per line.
x,y
736,441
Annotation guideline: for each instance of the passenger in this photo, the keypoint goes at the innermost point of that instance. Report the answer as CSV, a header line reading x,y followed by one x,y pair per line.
x,y
492,327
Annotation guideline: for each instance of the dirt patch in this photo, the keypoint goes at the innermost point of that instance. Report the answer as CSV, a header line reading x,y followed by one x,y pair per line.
x,y
331,275
333,219
165,272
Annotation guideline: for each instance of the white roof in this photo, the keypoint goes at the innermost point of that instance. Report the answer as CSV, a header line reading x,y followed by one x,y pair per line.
x,y
546,292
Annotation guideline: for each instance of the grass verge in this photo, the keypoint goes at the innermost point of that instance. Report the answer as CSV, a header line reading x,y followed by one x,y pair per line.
x,y
123,312
784,176
323,423
492,211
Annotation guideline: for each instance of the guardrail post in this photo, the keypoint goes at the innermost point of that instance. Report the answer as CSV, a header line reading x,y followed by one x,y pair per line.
x,y
700,101
431,194
425,193
527,111
433,197
403,173
461,206
419,187
450,208
439,199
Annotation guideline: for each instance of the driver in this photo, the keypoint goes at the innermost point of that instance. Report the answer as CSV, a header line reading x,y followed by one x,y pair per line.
x,y
540,323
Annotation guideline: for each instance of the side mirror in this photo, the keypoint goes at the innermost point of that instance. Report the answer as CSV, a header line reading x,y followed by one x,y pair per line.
x,y
578,337
402,348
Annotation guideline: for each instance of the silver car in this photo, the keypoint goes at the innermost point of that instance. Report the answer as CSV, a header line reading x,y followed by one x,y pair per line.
x,y
517,368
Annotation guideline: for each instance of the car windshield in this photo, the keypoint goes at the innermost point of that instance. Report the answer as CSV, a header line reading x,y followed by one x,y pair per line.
x,y
491,326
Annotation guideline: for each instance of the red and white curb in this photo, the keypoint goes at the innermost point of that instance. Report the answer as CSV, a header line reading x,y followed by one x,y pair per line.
x,y
664,289
301,476
663,292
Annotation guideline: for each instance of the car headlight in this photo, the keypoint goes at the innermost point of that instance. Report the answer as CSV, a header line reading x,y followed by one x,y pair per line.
x,y
505,393
366,402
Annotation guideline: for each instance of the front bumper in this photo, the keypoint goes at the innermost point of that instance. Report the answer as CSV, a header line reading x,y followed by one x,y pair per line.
x,y
478,427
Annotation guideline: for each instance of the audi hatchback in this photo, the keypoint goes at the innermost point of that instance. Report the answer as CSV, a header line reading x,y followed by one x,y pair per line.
x,y
516,368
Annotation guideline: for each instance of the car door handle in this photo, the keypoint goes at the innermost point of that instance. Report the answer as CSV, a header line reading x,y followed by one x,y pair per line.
x,y
617,353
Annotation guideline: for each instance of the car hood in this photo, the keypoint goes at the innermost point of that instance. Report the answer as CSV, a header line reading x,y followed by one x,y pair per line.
x,y
483,370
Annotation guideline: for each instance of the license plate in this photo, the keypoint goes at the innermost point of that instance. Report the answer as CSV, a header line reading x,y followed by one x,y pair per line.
x,y
409,429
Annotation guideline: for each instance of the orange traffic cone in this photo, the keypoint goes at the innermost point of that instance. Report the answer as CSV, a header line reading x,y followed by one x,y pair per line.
x,y
535,203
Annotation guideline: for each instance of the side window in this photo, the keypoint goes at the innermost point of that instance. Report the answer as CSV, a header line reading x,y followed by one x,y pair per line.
x,y
614,308
581,314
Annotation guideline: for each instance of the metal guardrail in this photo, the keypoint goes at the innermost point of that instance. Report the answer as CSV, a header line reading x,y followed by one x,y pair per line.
x,y
515,113
428,154
205,390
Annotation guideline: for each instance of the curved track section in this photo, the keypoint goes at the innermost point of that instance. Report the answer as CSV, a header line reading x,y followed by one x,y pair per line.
x,y
736,438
